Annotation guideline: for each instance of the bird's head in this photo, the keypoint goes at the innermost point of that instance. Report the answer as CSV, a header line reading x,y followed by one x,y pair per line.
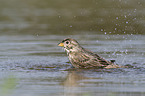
x,y
70,45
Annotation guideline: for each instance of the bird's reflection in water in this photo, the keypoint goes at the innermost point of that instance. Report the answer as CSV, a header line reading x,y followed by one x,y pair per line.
x,y
74,85
73,78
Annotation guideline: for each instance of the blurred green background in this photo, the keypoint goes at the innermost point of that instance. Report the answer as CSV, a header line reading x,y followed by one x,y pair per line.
x,y
43,17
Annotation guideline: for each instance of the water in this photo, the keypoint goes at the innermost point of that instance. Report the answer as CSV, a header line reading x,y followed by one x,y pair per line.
x,y
39,67
70,17
31,63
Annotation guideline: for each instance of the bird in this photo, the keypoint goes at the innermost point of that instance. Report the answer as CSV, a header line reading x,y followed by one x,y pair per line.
x,y
80,57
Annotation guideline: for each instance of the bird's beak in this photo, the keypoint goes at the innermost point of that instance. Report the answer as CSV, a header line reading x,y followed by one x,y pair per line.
x,y
61,44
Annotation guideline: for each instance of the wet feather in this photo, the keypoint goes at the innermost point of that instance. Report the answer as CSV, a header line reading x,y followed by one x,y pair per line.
x,y
83,58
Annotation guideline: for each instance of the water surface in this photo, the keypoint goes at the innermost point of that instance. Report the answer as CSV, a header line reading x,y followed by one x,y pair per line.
x,y
31,63
39,67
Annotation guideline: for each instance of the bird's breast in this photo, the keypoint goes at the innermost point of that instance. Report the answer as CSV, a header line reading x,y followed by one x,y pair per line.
x,y
70,56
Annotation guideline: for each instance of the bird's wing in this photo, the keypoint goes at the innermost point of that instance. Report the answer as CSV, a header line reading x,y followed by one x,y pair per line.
x,y
81,58
87,60
102,60
96,59
98,62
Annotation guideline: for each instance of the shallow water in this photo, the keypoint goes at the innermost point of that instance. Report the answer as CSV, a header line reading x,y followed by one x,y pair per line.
x,y
40,68
31,63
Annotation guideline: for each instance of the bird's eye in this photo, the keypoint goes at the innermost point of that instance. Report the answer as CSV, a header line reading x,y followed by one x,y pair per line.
x,y
67,42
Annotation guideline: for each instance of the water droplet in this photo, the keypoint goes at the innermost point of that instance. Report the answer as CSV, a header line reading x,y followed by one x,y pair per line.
x,y
59,16
126,51
105,33
134,19
134,10
125,16
97,41
126,22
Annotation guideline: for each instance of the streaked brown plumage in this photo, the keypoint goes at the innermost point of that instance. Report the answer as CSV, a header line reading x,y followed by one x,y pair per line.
x,y
83,58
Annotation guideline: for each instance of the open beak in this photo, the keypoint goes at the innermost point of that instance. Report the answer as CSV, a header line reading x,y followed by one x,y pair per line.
x,y
61,44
